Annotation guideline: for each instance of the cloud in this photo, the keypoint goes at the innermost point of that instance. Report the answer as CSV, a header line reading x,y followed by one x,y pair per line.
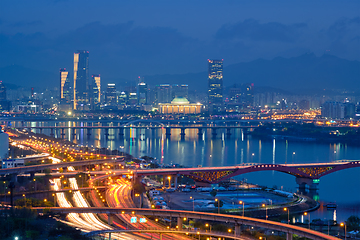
x,y
26,23
251,29
344,28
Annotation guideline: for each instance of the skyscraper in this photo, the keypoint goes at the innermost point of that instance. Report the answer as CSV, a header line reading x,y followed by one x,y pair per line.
x,y
64,86
142,93
215,85
81,79
180,91
110,95
95,88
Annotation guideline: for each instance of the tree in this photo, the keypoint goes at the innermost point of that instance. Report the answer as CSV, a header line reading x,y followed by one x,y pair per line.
x,y
353,223
213,193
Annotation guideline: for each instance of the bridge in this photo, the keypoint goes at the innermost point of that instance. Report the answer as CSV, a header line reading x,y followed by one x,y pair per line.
x,y
305,173
122,128
237,221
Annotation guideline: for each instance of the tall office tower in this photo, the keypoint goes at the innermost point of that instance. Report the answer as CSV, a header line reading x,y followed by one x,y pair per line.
x,y
2,91
64,86
163,93
110,95
215,85
142,93
180,91
81,79
248,95
96,88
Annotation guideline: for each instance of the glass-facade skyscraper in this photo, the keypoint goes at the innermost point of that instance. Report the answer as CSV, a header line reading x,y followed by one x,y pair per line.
x,y
81,79
64,85
96,88
215,85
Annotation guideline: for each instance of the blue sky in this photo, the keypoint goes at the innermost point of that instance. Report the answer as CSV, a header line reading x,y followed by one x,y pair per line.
x,y
130,38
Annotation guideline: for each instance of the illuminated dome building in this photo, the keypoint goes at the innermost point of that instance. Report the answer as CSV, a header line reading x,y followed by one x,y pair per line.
x,y
180,105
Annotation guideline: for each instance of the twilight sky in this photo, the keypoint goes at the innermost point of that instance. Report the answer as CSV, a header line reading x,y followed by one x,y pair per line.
x,y
129,38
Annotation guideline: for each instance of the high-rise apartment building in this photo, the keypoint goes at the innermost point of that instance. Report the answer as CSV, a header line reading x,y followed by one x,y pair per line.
x,y
95,89
81,79
110,95
180,90
215,85
64,86
142,93
163,93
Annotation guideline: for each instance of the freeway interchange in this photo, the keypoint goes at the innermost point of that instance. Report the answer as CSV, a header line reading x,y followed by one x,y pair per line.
x,y
113,210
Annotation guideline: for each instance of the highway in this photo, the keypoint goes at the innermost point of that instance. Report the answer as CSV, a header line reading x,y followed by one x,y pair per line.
x,y
232,219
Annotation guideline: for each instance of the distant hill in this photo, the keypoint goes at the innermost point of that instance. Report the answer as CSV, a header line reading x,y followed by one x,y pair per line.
x,y
291,74
16,75
302,74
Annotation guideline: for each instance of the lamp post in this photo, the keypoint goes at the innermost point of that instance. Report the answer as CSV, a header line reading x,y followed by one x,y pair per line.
x,y
217,200
193,202
208,225
139,195
169,177
264,205
54,195
287,209
24,200
343,225
306,213
243,203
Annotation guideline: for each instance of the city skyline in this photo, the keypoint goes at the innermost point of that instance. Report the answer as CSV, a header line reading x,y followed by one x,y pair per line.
x,y
124,47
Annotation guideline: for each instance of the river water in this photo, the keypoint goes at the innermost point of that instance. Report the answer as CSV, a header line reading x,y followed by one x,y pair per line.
x,y
342,187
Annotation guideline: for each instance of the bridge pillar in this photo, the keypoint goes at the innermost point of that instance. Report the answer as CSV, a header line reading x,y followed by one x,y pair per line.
x,y
106,133
62,132
200,132
228,132
88,132
164,181
160,236
182,134
40,130
179,223
303,181
109,235
213,132
51,132
110,219
175,181
289,236
237,229
168,132
73,133
121,132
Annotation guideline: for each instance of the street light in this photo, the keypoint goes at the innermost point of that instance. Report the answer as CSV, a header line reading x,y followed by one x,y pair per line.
x,y
343,225
138,195
264,205
262,238
217,200
208,225
169,177
193,202
287,209
306,213
54,195
242,202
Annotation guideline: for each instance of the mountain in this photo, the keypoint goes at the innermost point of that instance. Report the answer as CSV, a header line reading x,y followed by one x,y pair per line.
x,y
301,74
292,74
15,75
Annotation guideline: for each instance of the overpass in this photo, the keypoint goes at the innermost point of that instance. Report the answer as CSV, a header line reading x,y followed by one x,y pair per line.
x,y
41,167
180,214
170,231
